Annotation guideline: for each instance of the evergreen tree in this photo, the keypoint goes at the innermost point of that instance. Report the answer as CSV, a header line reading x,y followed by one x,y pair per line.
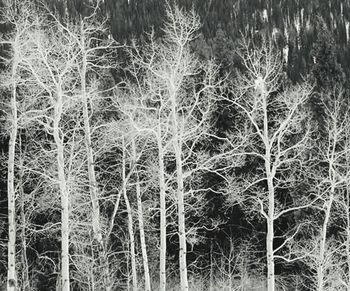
x,y
326,71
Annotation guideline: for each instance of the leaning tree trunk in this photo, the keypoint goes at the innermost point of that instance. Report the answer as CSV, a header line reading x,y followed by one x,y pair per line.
x,y
130,227
65,283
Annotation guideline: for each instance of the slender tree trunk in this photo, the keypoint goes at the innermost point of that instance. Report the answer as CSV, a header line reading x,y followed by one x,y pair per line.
x,y
11,251
322,254
141,227
270,238
91,171
271,197
347,210
65,283
25,274
142,238
347,245
130,228
162,262
180,193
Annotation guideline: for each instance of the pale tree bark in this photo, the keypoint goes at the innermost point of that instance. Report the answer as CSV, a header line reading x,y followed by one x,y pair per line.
x,y
334,179
23,222
11,195
162,200
148,124
322,249
175,115
57,134
347,204
130,223
267,138
53,65
347,240
11,252
141,223
96,216
177,144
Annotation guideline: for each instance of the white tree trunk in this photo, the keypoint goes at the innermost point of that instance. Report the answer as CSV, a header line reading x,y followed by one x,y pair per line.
x,y
130,228
347,241
347,245
65,283
180,193
11,251
24,263
271,196
143,238
96,226
141,227
270,238
322,253
162,261
347,210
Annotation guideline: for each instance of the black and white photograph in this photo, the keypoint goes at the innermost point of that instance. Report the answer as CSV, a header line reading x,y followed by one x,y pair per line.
x,y
174,145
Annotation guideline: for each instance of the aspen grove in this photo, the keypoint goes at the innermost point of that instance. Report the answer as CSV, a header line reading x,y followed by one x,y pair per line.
x,y
150,164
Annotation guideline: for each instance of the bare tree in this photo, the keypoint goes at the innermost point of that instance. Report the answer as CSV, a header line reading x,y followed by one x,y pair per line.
x,y
274,130
181,120
53,65
22,21
330,177
94,55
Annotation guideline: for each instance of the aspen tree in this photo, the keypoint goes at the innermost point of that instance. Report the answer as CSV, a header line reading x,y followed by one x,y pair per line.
x,y
22,21
270,122
180,105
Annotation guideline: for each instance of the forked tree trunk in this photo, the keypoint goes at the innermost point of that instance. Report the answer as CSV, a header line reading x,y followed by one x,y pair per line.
x,y
65,283
163,247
